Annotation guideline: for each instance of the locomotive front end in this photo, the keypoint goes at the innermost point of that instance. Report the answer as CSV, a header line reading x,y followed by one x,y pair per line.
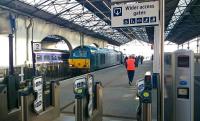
x,y
79,60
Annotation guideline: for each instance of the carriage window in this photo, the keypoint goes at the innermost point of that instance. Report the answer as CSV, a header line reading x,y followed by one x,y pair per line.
x,y
59,57
46,58
102,59
80,53
118,57
54,57
39,58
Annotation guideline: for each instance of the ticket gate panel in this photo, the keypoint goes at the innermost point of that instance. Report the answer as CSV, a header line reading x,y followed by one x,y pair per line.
x,y
184,85
196,92
50,113
3,102
5,114
88,99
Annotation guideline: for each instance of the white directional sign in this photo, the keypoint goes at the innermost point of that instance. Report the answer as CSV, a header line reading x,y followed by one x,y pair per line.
x,y
135,14
38,88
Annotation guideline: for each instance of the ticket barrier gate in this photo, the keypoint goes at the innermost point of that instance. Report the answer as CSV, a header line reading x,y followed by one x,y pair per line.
x,y
88,99
182,86
9,101
144,92
39,102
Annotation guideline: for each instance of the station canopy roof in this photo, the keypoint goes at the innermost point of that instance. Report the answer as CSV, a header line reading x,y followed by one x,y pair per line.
x,y
93,17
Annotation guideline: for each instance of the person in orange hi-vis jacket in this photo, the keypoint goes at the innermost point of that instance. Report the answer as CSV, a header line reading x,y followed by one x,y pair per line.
x,y
130,68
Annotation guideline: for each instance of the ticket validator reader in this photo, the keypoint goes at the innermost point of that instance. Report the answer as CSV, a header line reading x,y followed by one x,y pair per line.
x,y
184,85
80,91
88,99
144,93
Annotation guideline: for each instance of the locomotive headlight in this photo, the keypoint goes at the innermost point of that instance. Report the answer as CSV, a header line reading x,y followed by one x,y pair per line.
x,y
71,65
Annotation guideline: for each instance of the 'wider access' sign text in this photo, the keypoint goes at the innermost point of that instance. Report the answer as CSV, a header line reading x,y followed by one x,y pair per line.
x,y
135,14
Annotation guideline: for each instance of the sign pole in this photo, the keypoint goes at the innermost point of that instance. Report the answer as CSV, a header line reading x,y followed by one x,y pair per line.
x,y
11,67
33,59
197,45
162,30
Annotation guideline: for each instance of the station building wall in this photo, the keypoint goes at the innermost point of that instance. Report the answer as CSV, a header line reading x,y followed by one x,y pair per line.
x,y
37,32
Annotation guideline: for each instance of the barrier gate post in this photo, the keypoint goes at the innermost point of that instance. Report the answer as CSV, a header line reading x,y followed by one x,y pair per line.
x,y
147,98
80,88
88,99
144,87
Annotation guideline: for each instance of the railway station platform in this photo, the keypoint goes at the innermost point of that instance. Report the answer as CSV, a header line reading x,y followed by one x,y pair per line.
x,y
119,98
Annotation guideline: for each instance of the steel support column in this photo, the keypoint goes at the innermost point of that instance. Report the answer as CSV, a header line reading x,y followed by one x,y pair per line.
x,y
11,67
33,59
162,35
197,44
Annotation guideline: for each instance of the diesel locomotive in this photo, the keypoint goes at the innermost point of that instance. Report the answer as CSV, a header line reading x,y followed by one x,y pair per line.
x,y
89,58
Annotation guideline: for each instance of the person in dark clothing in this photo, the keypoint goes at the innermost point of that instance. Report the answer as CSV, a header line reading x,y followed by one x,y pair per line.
x,y
136,61
125,59
142,58
130,68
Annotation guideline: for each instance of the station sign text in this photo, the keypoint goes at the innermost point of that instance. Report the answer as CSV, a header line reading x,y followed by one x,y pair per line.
x,y
135,14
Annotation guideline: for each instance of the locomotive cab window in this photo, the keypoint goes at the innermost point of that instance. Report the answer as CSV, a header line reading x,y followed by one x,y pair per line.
x,y
80,53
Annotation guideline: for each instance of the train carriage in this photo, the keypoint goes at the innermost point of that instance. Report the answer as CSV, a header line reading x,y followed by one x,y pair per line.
x,y
52,63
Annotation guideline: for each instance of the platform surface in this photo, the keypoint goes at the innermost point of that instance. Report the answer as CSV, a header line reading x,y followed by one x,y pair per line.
x,y
119,99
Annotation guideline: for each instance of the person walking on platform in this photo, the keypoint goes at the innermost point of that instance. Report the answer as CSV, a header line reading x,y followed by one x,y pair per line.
x,y
142,59
136,61
125,61
130,68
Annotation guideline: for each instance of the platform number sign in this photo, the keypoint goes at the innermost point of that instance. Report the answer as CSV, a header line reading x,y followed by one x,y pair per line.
x,y
38,88
37,46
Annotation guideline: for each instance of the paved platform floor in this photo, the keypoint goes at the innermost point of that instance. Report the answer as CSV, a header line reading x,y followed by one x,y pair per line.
x,y
64,117
119,99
